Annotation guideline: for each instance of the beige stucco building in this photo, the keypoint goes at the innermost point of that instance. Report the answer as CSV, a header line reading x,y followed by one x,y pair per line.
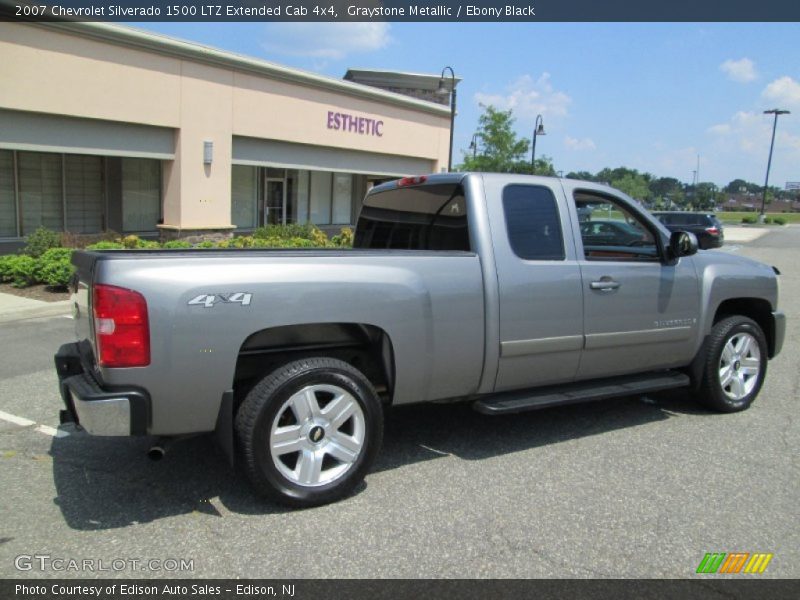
x,y
107,127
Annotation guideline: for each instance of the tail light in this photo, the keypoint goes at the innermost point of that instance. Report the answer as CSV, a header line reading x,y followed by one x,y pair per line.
x,y
712,230
408,181
122,330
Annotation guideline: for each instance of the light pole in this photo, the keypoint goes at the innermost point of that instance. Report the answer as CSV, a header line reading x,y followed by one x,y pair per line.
x,y
473,145
538,129
452,91
776,112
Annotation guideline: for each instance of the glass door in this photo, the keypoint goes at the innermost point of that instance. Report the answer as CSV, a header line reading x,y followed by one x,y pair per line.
x,y
274,201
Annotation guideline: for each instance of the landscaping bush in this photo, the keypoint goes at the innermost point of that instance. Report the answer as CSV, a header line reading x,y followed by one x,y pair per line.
x,y
6,266
344,239
292,230
779,220
176,245
768,220
20,270
40,241
749,220
54,267
106,246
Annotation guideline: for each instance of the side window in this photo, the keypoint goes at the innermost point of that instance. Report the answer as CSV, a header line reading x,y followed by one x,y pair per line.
x,y
532,223
611,231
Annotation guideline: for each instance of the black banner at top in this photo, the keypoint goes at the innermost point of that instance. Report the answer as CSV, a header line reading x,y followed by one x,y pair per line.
x,y
401,10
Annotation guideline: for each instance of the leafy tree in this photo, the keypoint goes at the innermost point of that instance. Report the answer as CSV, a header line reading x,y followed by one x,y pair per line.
x,y
581,175
544,166
738,186
501,151
634,184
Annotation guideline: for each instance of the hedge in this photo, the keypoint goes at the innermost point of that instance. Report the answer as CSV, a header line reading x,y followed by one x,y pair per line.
x,y
43,260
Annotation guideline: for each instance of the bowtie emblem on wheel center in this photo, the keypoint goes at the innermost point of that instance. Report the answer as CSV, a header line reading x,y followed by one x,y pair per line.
x,y
316,434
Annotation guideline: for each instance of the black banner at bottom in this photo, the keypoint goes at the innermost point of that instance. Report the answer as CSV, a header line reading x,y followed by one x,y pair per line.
x,y
376,589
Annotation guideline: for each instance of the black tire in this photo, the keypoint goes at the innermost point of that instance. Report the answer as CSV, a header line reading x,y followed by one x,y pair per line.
x,y
712,392
265,407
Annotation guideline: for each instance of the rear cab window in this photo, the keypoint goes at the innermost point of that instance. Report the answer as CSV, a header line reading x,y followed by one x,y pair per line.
x,y
532,222
421,217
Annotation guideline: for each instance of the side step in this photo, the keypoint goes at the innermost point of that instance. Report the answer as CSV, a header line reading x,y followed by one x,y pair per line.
x,y
584,391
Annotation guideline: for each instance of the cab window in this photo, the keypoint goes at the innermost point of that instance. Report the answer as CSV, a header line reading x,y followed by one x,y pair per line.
x,y
610,231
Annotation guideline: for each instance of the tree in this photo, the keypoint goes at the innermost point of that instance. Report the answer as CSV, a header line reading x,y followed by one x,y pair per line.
x,y
500,149
739,186
581,175
634,184
544,166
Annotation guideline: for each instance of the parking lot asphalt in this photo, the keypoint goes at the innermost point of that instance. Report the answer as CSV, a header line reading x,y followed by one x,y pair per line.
x,y
632,487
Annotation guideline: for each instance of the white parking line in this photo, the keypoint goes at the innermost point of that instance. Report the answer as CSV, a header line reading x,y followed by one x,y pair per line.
x,y
51,431
23,422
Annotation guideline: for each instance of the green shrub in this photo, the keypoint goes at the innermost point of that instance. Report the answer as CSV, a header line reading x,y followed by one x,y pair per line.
x,y
40,241
106,246
6,267
344,239
176,245
54,267
21,270
206,244
292,230
749,220
779,220
147,245
768,220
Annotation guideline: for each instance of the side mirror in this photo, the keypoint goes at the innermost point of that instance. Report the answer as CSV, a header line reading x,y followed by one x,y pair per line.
x,y
682,243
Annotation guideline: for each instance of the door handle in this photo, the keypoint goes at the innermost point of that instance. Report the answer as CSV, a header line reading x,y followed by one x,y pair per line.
x,y
605,284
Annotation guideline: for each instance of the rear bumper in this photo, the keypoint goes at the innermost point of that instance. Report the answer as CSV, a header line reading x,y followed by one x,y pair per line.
x,y
779,320
100,410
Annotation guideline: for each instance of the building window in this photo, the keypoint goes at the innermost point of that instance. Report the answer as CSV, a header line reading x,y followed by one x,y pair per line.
x,y
342,198
320,201
83,186
244,196
8,200
299,197
41,191
141,194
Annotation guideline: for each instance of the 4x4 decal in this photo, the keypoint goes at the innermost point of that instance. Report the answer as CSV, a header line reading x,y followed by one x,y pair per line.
x,y
210,300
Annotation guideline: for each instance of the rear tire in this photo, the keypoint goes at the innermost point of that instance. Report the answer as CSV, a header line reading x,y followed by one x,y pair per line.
x,y
735,365
309,431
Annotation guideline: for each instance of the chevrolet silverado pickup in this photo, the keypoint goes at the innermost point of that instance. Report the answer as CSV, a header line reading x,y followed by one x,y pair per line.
x,y
484,288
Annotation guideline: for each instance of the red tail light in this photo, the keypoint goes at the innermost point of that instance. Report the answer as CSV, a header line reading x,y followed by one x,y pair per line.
x,y
121,327
712,230
407,181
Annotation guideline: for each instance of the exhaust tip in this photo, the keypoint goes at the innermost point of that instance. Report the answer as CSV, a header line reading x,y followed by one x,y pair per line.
x,y
156,453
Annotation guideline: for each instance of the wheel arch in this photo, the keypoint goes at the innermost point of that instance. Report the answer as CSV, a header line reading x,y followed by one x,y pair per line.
x,y
365,346
757,309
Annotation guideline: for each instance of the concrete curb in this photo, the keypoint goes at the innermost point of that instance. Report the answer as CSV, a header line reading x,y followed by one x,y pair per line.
x,y
22,309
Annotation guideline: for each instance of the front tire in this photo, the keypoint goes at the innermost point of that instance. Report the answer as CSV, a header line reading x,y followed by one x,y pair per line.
x,y
309,431
735,365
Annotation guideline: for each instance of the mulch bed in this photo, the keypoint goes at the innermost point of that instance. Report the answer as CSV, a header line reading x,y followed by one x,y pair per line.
x,y
36,292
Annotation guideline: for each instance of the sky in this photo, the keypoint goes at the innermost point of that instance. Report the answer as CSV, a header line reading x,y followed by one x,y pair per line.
x,y
649,96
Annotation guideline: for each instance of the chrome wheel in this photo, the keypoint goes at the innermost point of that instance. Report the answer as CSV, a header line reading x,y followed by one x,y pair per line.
x,y
739,366
317,435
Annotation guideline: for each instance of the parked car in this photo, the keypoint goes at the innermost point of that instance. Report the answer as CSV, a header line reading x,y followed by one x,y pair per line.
x,y
705,226
612,233
479,288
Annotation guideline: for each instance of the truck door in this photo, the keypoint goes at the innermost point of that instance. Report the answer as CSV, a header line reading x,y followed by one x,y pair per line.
x,y
539,284
639,312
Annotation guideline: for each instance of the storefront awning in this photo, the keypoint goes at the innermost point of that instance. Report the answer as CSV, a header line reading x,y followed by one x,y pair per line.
x,y
275,153
39,132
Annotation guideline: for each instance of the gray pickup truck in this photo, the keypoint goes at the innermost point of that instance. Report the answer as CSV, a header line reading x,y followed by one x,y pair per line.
x,y
489,289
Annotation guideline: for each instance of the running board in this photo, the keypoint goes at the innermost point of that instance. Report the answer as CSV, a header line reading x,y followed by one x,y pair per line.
x,y
585,391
